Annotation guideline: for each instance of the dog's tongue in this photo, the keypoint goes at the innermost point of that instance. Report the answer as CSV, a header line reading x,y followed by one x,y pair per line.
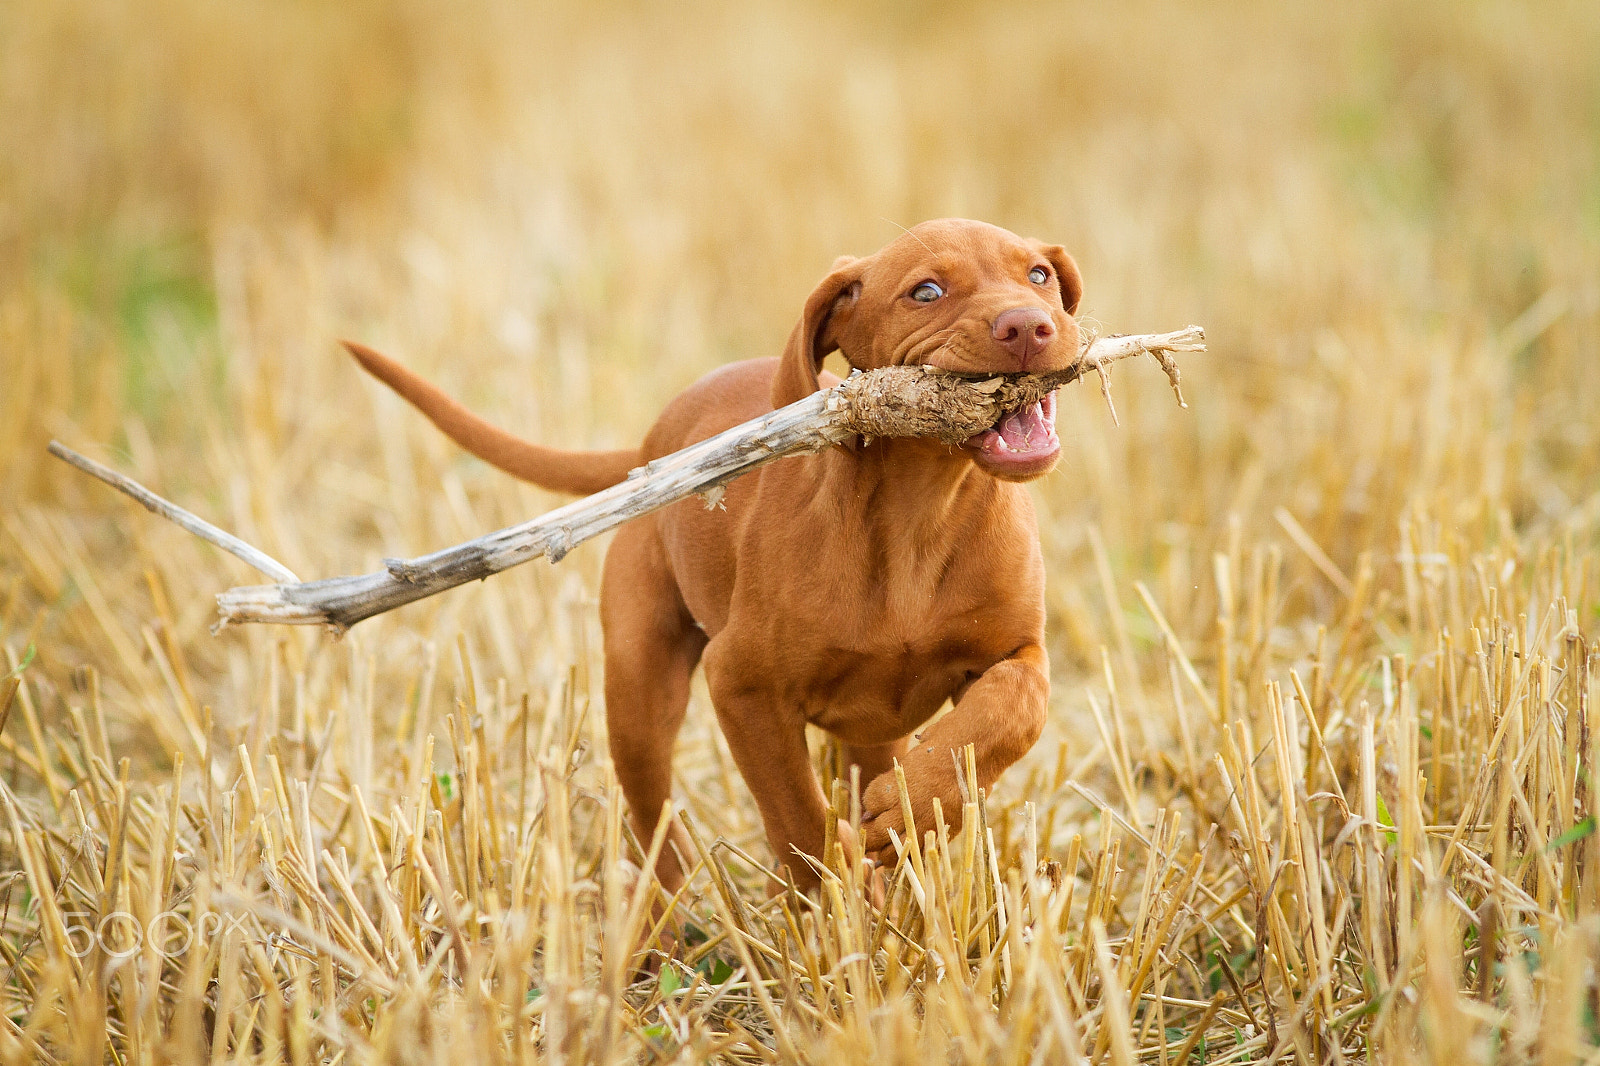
x,y
1024,436
1023,427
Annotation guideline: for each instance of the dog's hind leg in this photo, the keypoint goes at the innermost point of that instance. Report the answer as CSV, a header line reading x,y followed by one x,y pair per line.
x,y
652,645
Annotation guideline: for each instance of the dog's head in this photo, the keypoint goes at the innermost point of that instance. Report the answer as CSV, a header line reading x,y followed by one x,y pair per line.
x,y
961,295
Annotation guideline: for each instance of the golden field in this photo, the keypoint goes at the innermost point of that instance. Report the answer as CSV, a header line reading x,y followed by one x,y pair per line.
x,y
1319,784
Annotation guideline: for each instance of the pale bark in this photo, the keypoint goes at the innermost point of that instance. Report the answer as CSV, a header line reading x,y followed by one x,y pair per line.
x,y
250,554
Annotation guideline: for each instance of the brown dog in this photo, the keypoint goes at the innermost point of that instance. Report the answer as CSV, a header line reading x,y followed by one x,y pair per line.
x,y
857,589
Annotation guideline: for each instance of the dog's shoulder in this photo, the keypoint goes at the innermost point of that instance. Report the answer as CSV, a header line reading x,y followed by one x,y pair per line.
x,y
730,394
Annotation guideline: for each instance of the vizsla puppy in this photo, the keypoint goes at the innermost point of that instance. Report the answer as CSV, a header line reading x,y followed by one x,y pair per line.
x,y
857,589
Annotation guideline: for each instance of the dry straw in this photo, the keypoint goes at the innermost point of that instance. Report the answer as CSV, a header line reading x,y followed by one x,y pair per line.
x,y
1311,894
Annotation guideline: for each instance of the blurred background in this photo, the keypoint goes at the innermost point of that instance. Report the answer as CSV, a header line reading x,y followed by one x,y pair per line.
x,y
1386,216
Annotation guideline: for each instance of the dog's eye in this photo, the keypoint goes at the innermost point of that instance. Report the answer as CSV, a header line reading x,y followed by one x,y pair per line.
x,y
926,293
1038,275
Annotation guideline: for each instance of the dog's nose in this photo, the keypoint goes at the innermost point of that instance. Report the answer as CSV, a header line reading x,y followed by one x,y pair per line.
x,y
1023,331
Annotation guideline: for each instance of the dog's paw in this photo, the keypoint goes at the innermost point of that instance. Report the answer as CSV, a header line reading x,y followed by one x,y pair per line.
x,y
882,819
883,814
868,864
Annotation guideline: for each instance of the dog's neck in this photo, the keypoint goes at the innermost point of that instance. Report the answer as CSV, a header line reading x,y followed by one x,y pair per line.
x,y
903,477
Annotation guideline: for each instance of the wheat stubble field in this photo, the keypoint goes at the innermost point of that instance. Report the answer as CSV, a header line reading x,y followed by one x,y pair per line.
x,y
1319,781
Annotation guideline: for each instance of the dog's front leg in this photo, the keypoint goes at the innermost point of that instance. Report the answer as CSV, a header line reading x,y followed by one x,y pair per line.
x,y
769,747
1001,714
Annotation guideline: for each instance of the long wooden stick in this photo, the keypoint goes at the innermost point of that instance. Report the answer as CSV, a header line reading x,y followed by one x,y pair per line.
x,y
890,402
177,515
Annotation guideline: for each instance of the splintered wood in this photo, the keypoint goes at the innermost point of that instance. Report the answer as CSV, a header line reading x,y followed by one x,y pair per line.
x,y
889,402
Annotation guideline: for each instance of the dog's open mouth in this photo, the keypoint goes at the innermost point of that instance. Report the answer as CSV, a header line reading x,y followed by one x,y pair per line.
x,y
1022,443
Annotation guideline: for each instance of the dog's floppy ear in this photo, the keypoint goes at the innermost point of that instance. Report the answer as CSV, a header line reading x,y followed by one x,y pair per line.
x,y
1067,272
810,343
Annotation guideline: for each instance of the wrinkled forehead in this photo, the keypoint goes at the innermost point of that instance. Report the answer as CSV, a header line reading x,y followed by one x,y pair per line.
x,y
949,248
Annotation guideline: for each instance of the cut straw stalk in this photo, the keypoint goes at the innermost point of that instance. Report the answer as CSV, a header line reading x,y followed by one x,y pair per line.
x,y
890,402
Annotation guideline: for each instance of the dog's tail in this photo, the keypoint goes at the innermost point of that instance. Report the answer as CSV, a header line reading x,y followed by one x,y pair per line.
x,y
580,473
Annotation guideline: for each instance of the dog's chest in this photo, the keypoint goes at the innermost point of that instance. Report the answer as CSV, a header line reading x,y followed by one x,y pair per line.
x,y
880,694
864,610
875,658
